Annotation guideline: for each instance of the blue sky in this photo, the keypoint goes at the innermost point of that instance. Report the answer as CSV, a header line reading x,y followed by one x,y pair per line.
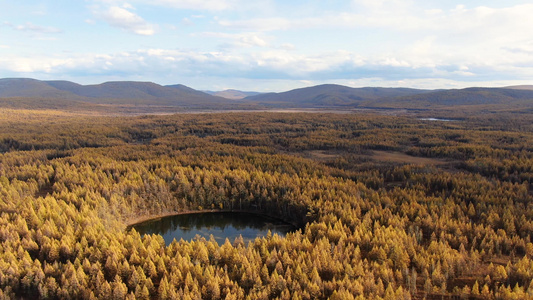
x,y
270,45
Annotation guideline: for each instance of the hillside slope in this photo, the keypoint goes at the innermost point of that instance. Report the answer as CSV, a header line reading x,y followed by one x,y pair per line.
x,y
26,87
113,93
143,97
330,95
337,96
520,87
469,97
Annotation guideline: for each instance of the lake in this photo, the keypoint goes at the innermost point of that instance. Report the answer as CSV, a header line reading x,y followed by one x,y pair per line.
x,y
221,225
435,119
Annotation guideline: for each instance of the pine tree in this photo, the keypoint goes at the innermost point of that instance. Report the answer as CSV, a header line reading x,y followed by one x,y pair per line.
x,y
475,289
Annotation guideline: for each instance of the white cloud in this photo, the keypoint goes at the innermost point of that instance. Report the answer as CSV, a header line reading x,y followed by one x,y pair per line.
x,y
121,17
260,24
269,64
394,62
128,6
286,69
195,4
429,42
30,65
252,40
187,22
402,16
381,5
209,5
287,46
526,48
30,27
240,40
433,11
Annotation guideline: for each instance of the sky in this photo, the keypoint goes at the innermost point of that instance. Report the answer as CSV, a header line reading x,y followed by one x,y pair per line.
x,y
270,45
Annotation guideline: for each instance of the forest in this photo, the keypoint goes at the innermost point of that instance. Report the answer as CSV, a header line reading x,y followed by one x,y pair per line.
x,y
390,206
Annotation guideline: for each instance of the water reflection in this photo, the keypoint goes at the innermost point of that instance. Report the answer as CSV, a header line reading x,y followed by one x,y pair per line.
x,y
221,225
435,119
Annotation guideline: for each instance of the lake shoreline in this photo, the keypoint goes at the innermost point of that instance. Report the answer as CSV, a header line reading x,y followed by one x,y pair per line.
x,y
141,219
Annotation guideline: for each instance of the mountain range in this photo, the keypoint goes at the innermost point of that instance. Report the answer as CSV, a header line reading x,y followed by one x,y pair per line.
x,y
151,97
111,93
331,95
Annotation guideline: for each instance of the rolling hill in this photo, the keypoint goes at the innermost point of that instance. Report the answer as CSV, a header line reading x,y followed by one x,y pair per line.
x,y
149,97
492,98
330,95
108,93
337,96
520,87
30,88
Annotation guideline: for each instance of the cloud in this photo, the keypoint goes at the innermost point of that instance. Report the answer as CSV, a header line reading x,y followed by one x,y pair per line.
x,y
400,15
383,5
253,40
277,64
416,41
287,46
19,65
270,64
215,5
285,68
336,20
30,27
187,22
526,48
121,17
239,40
208,5
260,24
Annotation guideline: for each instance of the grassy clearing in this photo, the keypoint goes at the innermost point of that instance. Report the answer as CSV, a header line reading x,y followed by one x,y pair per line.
x,y
399,157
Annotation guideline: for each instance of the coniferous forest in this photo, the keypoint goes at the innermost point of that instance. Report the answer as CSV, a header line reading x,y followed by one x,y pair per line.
x,y
390,207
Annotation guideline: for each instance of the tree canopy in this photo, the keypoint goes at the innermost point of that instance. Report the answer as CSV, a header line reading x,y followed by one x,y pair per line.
x,y
390,207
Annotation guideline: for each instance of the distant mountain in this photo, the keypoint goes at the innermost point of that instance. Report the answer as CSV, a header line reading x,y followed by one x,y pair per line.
x,y
31,88
142,97
117,93
115,90
66,86
330,95
133,90
187,90
503,97
339,96
232,94
520,87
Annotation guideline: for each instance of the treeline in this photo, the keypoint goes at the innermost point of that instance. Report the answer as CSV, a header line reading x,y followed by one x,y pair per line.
x,y
370,229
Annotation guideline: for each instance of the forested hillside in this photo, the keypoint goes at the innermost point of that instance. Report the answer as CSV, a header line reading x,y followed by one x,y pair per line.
x,y
117,96
131,97
331,95
390,207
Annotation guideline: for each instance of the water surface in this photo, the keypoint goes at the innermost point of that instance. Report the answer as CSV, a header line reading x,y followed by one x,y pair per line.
x,y
221,225
435,119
